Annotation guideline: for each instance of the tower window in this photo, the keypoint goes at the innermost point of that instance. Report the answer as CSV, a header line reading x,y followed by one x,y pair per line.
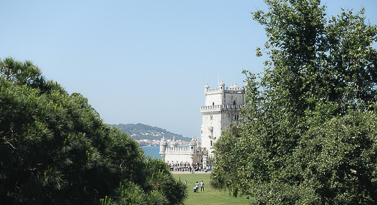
x,y
211,142
213,103
234,102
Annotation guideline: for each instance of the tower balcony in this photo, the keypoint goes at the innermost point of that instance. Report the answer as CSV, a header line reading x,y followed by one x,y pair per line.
x,y
220,108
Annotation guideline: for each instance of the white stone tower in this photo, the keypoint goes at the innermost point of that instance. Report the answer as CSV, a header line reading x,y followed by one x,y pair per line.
x,y
222,106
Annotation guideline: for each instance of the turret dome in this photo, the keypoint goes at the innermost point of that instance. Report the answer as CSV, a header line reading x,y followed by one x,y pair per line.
x,y
193,142
174,143
234,87
222,84
163,142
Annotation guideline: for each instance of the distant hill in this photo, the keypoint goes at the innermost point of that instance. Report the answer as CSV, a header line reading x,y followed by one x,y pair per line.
x,y
140,131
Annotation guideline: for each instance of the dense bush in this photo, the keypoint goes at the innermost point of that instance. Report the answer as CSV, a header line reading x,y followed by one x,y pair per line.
x,y
55,149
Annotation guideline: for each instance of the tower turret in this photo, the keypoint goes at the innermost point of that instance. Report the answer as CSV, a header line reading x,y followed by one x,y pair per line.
x,y
174,143
222,85
222,90
163,145
206,87
192,146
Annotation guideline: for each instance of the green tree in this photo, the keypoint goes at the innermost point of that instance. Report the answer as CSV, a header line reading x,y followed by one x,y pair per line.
x,y
55,149
319,71
338,159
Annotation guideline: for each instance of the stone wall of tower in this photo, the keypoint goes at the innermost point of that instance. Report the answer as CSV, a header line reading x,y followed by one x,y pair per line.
x,y
178,155
234,97
214,96
210,129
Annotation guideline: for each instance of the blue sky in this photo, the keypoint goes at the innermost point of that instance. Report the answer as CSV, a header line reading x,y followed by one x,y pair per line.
x,y
142,61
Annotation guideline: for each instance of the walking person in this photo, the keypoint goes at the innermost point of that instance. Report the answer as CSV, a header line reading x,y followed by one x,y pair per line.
x,y
202,186
196,187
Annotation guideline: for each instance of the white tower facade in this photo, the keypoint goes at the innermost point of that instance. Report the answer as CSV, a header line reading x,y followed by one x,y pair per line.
x,y
222,106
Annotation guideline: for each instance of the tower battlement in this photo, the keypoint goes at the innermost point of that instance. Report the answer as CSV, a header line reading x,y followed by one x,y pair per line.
x,y
219,108
178,150
210,91
222,89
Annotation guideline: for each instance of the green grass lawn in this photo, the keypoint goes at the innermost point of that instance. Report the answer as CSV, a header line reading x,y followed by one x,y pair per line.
x,y
210,195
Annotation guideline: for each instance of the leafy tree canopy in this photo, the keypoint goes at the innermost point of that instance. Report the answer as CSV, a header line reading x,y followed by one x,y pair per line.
x,y
308,135
55,149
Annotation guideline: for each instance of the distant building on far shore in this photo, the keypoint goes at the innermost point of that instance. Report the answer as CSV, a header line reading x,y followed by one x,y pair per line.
x,y
222,106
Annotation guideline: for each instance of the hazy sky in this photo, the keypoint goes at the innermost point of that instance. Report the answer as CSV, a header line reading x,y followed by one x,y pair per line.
x,y
142,61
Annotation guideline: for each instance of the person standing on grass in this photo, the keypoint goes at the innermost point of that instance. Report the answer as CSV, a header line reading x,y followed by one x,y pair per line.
x,y
202,186
196,187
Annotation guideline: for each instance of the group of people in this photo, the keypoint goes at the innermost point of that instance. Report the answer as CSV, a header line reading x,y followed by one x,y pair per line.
x,y
196,187
187,167
180,166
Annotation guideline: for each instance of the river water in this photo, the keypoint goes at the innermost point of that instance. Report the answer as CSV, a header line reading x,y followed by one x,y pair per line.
x,y
152,151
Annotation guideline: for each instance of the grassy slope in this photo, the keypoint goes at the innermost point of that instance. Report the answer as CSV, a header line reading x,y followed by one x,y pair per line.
x,y
210,195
